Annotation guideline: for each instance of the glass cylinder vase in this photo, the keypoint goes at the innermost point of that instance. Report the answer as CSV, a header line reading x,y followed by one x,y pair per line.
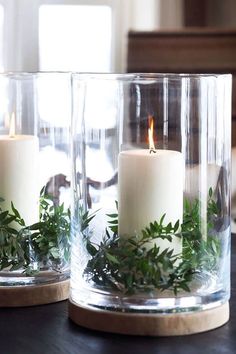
x,y
151,208
35,114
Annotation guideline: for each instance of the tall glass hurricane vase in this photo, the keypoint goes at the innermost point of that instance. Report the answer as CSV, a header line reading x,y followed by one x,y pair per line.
x,y
35,112
151,202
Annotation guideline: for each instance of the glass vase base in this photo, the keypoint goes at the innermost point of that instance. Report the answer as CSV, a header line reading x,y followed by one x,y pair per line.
x,y
149,324
18,278
31,295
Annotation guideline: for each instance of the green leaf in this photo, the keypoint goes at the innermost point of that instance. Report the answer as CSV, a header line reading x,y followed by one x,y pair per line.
x,y
210,192
54,252
162,219
113,222
176,226
3,216
11,230
184,286
36,226
15,211
112,258
112,215
91,249
42,191
114,229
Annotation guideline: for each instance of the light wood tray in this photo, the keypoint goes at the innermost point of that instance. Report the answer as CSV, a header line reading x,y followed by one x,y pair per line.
x,y
149,324
30,295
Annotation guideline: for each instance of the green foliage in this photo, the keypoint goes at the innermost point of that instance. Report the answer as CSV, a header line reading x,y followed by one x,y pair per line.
x,y
14,246
85,219
138,264
48,240
202,253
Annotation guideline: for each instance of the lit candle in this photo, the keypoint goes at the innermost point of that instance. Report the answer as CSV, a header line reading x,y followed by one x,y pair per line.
x,y
150,184
18,173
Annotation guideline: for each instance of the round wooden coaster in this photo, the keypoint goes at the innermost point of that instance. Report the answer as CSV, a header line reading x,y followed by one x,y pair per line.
x,y
30,295
149,324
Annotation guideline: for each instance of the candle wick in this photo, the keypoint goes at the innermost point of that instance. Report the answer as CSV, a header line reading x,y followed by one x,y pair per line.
x,y
152,150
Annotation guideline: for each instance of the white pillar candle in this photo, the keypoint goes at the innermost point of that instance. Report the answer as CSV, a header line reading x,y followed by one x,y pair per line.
x,y
18,175
149,186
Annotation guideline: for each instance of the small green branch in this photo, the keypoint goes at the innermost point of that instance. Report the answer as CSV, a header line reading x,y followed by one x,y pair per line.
x,y
48,241
128,265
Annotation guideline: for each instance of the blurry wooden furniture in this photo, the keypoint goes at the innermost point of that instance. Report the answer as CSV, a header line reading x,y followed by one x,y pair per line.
x,y
194,50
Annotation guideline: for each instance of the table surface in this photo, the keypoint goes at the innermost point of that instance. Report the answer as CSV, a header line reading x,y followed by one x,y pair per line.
x,y
47,330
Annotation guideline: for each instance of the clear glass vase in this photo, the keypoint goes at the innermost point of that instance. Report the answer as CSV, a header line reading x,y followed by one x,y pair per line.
x,y
35,113
151,192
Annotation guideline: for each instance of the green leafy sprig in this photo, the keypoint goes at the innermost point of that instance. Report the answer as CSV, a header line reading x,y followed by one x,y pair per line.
x,y
51,235
138,264
14,245
32,247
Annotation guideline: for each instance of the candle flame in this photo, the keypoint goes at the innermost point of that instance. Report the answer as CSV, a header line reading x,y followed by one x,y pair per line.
x,y
150,135
12,129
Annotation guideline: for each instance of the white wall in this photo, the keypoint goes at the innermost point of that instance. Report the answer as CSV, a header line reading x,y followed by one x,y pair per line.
x,y
20,45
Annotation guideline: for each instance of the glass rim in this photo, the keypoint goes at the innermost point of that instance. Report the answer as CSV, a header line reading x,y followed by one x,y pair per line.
x,y
147,76
33,74
114,75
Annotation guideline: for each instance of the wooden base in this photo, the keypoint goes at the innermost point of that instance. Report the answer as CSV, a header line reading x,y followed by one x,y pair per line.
x,y
30,295
149,324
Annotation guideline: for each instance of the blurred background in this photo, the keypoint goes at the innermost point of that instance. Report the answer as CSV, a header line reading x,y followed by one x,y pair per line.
x,y
92,35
